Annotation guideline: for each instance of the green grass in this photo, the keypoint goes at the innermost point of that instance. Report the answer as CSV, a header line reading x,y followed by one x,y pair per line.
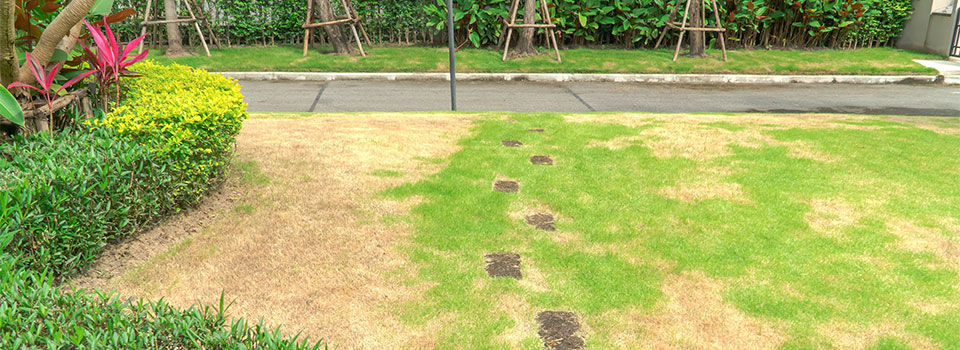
x,y
622,238
877,61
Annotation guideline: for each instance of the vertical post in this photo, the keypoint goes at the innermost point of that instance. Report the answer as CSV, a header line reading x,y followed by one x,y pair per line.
x,y
453,67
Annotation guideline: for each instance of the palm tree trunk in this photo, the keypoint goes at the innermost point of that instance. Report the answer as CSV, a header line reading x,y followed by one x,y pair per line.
x,y
54,34
9,67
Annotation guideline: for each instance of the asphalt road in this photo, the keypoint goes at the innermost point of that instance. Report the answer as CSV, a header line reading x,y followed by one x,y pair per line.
x,y
403,96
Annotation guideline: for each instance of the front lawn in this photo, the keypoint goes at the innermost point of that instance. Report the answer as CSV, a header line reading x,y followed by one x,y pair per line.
x,y
688,231
697,232
878,61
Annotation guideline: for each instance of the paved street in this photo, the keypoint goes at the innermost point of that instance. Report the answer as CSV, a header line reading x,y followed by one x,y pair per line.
x,y
396,96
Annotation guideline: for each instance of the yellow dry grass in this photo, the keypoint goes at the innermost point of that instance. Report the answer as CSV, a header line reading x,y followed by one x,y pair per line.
x,y
831,216
315,253
850,336
696,317
920,239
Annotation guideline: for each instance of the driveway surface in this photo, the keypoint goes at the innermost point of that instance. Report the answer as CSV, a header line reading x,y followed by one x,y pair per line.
x,y
404,96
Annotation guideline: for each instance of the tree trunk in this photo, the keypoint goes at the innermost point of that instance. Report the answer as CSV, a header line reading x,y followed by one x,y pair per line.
x,y
340,41
525,43
9,67
54,33
174,39
697,44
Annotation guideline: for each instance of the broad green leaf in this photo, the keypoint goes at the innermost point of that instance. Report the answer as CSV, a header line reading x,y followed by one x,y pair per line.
x,y
475,39
583,20
10,108
59,56
101,8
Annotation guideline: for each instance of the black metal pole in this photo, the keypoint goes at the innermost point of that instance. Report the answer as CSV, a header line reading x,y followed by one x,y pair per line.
x,y
453,68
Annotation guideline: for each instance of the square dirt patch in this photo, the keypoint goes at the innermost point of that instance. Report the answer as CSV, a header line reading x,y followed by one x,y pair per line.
x,y
541,160
503,265
535,130
506,186
557,330
541,221
511,143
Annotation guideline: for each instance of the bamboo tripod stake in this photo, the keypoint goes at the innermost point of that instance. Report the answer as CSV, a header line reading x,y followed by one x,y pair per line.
x,y
549,27
684,28
192,19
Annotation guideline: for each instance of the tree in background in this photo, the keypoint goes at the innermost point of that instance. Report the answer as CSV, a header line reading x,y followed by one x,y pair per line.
x,y
339,40
697,42
174,39
525,42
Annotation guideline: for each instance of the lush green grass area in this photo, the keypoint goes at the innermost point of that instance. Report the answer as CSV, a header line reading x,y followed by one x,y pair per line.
x,y
824,231
431,59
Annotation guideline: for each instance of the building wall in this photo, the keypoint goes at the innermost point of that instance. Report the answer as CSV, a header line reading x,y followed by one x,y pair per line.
x,y
914,35
930,28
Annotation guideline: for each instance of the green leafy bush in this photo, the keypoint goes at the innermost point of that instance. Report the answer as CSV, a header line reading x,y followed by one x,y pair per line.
x,y
64,196
34,313
186,116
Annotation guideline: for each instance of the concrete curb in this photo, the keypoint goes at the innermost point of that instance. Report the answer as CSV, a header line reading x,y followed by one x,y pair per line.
x,y
613,78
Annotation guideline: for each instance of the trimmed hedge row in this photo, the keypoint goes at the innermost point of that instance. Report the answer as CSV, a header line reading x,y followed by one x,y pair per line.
x,y
36,314
63,197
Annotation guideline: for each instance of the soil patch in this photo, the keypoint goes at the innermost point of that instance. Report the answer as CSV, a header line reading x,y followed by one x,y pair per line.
x,y
506,186
541,160
535,130
503,265
541,221
558,330
511,143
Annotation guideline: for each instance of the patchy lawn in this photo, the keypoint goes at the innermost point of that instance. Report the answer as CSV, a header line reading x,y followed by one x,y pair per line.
x,y
676,231
876,61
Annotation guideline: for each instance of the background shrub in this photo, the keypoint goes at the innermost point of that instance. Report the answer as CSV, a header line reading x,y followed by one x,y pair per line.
x,y
624,23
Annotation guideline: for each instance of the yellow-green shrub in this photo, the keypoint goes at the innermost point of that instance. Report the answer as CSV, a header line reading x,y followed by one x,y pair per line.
x,y
186,115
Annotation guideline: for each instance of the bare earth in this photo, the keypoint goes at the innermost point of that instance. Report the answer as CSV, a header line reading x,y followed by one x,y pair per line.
x,y
311,249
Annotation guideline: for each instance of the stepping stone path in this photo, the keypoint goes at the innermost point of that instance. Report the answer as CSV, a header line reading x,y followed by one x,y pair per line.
x,y
558,330
541,160
541,221
506,186
503,265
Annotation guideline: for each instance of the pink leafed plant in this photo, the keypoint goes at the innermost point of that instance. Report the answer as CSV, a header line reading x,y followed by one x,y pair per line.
x,y
45,81
110,61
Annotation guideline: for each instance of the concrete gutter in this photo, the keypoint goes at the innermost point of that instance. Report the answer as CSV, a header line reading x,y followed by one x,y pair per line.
x,y
614,78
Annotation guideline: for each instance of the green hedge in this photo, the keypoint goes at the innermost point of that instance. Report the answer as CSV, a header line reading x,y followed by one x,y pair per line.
x,y
64,197
34,313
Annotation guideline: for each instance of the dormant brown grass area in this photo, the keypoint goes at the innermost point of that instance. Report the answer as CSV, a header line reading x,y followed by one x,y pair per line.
x,y
696,317
312,249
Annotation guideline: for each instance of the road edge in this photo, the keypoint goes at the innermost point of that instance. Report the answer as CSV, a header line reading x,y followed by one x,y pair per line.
x,y
611,78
